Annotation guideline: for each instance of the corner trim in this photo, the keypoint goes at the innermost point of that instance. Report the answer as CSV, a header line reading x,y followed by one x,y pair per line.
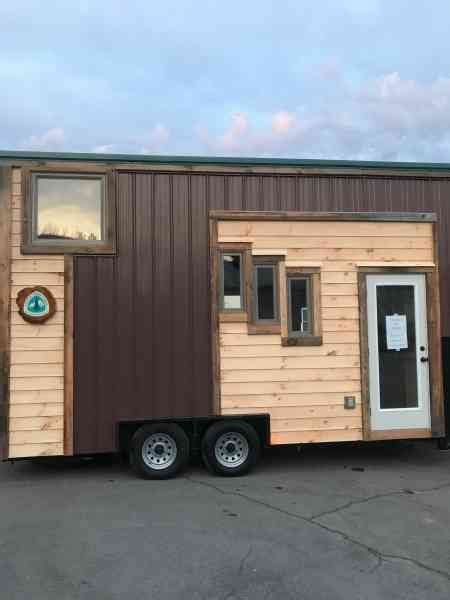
x,y
5,269
68,354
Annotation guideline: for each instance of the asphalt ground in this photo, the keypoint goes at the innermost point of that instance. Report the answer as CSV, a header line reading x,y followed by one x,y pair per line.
x,y
327,522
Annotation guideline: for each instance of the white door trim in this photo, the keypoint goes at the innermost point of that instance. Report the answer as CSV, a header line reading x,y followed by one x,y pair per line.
x,y
418,417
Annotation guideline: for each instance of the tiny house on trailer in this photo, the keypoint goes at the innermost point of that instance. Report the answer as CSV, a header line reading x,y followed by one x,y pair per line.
x,y
159,305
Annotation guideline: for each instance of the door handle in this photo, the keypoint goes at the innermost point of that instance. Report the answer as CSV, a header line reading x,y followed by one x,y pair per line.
x,y
424,359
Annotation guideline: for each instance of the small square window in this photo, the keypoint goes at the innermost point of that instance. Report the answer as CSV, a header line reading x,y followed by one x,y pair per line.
x,y
232,281
264,284
301,322
264,315
68,208
265,292
68,212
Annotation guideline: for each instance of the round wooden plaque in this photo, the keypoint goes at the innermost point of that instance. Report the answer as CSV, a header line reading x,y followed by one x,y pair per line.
x,y
36,304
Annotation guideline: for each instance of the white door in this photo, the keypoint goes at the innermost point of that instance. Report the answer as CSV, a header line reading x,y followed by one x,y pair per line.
x,y
399,384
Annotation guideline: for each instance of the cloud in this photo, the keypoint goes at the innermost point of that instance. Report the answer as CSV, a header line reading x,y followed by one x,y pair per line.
x,y
388,117
238,133
52,139
284,124
405,105
329,71
157,140
340,79
104,149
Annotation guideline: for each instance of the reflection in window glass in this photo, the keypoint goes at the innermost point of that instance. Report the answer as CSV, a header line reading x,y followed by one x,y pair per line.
x,y
232,282
398,368
265,292
68,208
299,306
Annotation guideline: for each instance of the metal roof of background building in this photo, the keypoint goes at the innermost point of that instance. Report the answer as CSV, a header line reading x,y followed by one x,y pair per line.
x,y
20,156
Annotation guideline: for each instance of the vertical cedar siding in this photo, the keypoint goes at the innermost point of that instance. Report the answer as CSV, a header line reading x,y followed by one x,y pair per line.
x,y
142,319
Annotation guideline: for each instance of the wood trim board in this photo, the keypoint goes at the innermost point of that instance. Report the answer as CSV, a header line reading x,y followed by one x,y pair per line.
x,y
167,167
5,267
435,344
214,287
423,217
364,357
400,434
68,355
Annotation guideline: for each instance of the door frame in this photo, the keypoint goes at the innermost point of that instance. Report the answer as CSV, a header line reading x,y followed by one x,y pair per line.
x,y
435,354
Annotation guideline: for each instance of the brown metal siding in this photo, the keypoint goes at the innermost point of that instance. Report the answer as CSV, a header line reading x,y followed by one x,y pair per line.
x,y
142,329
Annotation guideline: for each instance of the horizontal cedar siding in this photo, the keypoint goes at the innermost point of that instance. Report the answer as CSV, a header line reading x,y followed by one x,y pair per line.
x,y
298,386
142,329
36,382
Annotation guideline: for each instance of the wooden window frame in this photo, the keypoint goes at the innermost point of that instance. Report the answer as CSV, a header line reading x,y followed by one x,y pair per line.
x,y
264,326
222,281
233,315
30,245
6,183
301,339
309,300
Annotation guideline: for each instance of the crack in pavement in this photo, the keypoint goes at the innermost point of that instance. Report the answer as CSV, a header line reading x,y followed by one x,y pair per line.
x,y
244,559
403,492
380,556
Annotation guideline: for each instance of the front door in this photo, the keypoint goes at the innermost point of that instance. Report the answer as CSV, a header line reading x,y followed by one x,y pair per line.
x,y
399,385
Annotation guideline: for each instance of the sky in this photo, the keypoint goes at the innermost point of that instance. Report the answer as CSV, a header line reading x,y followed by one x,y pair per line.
x,y
336,79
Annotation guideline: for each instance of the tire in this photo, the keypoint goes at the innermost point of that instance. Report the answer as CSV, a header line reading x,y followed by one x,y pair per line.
x,y
443,443
159,451
240,457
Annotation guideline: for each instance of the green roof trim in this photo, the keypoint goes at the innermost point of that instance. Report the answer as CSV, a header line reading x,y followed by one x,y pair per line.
x,y
19,156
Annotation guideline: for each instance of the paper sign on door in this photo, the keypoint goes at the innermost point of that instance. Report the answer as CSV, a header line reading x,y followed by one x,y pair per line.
x,y
396,333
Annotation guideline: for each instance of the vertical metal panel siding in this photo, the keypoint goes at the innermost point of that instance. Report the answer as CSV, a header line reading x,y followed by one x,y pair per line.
x,y
142,330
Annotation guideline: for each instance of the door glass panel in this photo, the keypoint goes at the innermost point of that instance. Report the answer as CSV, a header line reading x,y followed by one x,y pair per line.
x,y
397,346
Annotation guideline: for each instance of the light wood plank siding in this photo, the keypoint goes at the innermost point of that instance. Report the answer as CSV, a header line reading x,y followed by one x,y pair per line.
x,y
36,424
303,388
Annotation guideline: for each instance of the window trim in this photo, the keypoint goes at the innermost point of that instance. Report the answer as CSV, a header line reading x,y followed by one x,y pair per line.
x,y
222,282
31,245
244,249
265,326
309,299
288,337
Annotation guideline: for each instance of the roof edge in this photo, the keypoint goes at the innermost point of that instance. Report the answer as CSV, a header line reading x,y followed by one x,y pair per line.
x,y
24,156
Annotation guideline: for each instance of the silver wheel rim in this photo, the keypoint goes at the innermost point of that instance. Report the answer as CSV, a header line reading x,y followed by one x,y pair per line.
x,y
231,449
159,451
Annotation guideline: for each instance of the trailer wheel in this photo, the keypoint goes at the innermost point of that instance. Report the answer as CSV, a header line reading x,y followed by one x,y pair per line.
x,y
159,451
230,448
443,443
